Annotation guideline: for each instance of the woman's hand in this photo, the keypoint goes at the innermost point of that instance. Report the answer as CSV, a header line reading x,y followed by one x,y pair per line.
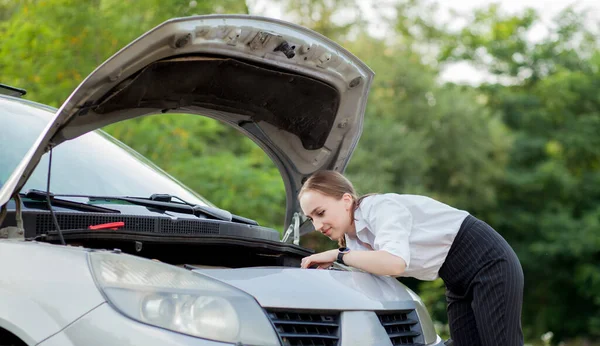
x,y
374,262
323,259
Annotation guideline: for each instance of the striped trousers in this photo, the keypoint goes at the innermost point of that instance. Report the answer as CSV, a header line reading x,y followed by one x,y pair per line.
x,y
484,288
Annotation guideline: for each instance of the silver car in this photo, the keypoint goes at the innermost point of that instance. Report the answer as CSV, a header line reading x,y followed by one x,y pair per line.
x,y
100,247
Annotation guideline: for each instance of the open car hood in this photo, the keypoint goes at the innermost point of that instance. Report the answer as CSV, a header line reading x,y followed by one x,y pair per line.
x,y
295,93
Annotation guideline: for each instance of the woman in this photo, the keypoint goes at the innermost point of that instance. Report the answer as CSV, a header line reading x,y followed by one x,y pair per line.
x,y
409,235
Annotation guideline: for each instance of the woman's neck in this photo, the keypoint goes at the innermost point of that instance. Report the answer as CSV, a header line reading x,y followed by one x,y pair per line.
x,y
351,231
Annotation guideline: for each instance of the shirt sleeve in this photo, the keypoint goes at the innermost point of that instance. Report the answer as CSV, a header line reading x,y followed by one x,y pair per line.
x,y
391,223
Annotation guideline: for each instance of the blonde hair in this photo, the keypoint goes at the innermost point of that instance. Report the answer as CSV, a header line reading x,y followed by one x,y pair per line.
x,y
333,184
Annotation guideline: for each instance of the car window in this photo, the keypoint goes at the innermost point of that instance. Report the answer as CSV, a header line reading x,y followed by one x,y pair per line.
x,y
92,164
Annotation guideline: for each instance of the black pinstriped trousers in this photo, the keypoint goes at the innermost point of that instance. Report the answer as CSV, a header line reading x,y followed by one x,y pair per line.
x,y
484,288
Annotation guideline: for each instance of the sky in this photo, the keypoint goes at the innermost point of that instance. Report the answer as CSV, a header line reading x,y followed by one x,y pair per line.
x,y
462,72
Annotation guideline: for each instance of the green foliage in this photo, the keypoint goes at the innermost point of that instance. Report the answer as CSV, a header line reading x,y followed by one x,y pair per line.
x,y
335,19
212,159
438,140
430,293
59,42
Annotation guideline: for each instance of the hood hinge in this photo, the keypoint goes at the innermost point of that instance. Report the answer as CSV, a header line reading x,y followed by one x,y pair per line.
x,y
294,228
12,232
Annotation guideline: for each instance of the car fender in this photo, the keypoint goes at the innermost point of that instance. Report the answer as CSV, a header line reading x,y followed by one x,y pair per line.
x,y
43,288
25,318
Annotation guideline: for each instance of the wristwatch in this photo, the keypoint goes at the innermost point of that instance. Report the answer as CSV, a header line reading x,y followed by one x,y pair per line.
x,y
341,252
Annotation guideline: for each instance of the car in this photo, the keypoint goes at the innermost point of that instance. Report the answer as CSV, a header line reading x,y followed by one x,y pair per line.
x,y
101,247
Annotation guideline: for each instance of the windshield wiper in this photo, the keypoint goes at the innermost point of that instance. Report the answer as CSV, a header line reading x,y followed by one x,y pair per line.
x,y
165,202
195,209
40,196
203,209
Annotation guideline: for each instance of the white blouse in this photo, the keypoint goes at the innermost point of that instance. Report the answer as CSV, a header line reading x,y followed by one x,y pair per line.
x,y
418,229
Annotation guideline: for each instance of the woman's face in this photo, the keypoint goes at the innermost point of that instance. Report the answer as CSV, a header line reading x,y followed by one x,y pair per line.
x,y
329,215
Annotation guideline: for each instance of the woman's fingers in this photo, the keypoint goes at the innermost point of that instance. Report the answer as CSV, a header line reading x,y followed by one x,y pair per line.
x,y
306,262
309,262
315,260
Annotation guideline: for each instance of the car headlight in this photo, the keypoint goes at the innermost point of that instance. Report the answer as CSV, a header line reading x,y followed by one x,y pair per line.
x,y
173,298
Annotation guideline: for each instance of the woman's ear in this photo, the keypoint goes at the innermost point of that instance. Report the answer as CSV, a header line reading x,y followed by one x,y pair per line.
x,y
348,200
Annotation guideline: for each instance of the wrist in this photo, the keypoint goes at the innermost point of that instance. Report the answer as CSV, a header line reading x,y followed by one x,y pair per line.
x,y
341,252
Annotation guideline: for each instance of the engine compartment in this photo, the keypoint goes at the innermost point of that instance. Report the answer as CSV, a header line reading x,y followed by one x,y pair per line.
x,y
197,241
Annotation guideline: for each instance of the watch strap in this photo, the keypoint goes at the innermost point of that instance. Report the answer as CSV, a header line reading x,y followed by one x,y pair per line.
x,y
341,253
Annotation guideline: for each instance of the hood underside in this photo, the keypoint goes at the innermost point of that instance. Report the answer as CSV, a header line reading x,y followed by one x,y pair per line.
x,y
297,104
296,94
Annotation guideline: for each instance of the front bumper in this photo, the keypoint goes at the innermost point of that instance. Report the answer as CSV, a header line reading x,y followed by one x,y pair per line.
x,y
105,326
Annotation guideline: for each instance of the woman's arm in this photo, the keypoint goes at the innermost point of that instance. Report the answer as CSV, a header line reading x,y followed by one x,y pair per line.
x,y
375,262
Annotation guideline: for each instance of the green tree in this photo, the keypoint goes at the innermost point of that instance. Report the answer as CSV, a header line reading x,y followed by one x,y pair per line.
x,y
438,140
334,19
49,46
212,159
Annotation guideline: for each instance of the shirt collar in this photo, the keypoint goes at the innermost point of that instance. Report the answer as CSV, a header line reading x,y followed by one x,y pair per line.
x,y
359,224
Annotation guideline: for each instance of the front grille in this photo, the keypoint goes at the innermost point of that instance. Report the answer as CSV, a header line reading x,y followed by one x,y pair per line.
x,y
401,326
306,328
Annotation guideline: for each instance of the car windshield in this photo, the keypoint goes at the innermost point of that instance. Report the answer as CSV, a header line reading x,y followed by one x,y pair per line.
x,y
92,164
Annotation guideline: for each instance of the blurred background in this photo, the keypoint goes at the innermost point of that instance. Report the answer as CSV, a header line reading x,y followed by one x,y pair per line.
x,y
492,107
